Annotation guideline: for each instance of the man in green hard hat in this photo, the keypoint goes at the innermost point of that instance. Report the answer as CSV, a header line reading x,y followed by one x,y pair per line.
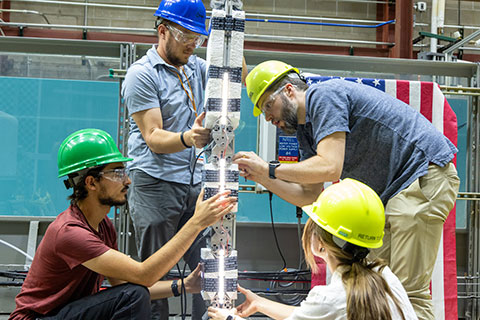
x,y
79,248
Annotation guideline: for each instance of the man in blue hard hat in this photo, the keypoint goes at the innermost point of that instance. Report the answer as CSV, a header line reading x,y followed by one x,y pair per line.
x,y
164,94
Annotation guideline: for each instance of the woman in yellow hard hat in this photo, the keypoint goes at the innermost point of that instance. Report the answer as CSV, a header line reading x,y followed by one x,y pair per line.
x,y
345,222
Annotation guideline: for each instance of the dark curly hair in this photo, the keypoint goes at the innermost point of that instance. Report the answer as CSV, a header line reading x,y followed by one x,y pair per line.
x,y
79,190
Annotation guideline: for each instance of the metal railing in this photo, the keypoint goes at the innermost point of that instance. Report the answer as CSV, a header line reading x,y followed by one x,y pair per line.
x,y
259,17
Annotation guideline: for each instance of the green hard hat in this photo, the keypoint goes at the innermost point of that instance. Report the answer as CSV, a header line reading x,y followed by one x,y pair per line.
x,y
85,149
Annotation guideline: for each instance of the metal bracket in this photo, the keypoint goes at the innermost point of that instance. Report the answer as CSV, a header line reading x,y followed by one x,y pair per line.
x,y
32,241
117,73
462,42
472,196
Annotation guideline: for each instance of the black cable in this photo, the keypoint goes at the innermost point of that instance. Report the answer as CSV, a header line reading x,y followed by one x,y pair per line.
x,y
274,232
10,284
13,274
257,274
279,292
278,280
275,274
181,295
301,259
192,169
281,281
183,292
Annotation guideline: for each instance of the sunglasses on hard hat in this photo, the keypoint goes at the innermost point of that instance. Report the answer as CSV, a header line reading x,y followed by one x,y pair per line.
x,y
186,38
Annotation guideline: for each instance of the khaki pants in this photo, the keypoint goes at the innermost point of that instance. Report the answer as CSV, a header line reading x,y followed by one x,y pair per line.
x,y
413,228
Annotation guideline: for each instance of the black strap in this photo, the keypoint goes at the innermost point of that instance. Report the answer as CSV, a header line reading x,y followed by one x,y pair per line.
x,y
183,140
175,288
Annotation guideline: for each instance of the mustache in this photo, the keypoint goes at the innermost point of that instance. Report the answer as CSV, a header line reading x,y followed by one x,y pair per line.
x,y
125,188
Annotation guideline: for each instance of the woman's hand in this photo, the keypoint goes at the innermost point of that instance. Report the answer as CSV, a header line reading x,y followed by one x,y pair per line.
x,y
221,314
250,306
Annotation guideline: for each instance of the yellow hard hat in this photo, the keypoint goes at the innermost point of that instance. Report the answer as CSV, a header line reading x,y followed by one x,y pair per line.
x,y
262,77
352,211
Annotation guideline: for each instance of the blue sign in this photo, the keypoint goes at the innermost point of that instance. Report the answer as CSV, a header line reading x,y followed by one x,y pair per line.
x,y
287,149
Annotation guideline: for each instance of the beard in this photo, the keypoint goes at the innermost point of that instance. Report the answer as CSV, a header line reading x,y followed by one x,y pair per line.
x,y
107,200
289,115
171,57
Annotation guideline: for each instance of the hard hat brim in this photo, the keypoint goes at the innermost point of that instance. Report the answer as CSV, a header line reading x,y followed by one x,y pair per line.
x,y
68,170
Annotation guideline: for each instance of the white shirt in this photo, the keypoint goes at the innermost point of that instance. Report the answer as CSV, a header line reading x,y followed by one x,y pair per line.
x,y
330,301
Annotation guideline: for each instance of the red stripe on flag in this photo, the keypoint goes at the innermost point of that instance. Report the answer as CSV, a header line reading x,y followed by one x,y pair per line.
x,y
450,129
403,91
426,98
450,267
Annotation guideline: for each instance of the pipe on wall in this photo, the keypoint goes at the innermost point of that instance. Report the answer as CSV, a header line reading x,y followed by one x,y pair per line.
x,y
11,246
433,26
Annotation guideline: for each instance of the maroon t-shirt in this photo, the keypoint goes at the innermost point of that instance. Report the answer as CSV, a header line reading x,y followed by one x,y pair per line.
x,y
57,276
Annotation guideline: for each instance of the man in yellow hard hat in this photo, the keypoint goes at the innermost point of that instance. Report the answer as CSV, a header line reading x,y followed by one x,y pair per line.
x,y
349,130
79,248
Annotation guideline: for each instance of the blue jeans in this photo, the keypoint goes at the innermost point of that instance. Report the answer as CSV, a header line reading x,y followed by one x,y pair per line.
x,y
122,302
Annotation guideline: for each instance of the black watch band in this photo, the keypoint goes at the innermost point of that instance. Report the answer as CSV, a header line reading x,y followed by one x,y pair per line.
x,y
175,288
183,141
272,165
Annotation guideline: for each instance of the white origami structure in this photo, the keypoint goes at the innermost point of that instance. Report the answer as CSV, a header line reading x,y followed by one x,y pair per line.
x,y
223,93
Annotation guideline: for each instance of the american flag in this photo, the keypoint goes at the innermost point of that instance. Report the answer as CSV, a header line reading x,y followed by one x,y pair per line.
x,y
427,98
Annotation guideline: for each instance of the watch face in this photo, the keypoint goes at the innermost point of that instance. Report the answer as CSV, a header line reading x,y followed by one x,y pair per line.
x,y
271,168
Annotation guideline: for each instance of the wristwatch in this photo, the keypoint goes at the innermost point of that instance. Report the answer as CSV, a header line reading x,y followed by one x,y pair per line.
x,y
272,165
174,287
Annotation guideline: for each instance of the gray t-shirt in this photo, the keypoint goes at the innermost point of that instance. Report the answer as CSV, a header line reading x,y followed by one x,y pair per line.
x,y
152,83
388,144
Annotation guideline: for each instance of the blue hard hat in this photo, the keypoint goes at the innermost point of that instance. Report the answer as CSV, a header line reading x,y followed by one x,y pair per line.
x,y
190,14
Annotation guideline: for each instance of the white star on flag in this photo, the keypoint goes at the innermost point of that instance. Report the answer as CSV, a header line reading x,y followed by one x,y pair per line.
x,y
359,80
376,82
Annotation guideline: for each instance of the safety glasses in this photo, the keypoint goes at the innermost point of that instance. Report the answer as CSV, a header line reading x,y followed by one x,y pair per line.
x,y
116,175
267,105
186,38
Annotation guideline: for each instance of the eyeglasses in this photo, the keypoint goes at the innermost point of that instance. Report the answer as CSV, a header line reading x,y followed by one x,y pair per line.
x,y
186,38
116,175
267,105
